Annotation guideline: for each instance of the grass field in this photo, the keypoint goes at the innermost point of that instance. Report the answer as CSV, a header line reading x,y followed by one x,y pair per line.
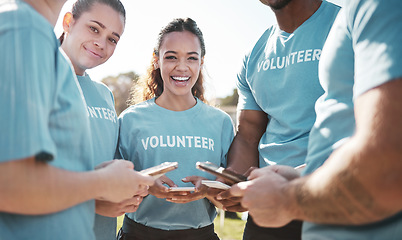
x,y
231,229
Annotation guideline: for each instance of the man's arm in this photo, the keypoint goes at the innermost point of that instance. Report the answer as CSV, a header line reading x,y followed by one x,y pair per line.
x,y
243,152
358,184
28,186
362,179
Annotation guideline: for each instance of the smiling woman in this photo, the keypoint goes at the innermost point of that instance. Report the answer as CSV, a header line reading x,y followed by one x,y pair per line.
x,y
90,37
172,121
91,32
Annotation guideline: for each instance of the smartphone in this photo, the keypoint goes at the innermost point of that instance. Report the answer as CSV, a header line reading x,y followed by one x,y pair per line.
x,y
218,171
300,168
215,184
159,170
181,189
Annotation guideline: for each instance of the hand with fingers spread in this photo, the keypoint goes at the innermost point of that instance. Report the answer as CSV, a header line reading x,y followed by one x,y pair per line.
x,y
159,190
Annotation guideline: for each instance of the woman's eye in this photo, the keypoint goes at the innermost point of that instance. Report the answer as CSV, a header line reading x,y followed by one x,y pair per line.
x,y
193,58
170,57
94,29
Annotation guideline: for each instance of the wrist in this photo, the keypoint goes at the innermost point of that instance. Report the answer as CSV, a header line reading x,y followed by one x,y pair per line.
x,y
293,193
100,186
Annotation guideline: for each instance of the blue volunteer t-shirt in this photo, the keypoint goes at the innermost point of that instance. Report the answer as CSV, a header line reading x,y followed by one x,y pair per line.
x,y
150,135
104,130
280,77
363,51
42,114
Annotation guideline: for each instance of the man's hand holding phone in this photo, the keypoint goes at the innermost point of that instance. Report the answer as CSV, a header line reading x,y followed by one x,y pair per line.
x,y
230,177
226,177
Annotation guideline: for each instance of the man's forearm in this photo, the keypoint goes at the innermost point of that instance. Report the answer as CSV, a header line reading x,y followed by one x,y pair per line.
x,y
243,152
242,155
336,194
360,182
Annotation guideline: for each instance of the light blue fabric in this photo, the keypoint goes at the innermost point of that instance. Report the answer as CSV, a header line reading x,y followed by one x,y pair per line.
x,y
42,114
150,135
280,77
363,51
104,130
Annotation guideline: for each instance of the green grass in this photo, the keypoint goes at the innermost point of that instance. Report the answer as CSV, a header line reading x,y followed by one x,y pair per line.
x,y
232,229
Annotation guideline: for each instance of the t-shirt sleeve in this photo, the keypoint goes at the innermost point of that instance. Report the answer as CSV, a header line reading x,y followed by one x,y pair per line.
x,y
246,98
27,73
377,37
227,138
121,151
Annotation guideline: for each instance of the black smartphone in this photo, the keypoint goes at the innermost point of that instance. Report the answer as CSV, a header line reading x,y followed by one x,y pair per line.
x,y
160,169
218,171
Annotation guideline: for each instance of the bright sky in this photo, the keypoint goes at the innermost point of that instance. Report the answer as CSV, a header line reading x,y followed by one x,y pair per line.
x,y
230,29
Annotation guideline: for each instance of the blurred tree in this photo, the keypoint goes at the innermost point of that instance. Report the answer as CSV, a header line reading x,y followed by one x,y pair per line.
x,y
121,87
230,100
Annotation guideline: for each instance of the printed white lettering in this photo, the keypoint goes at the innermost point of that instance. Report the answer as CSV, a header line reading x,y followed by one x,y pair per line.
x,y
204,142
293,54
197,142
300,56
307,57
145,144
272,64
161,142
92,112
189,140
259,65
178,141
293,58
181,141
211,144
99,112
170,144
104,113
316,54
155,143
266,65
280,66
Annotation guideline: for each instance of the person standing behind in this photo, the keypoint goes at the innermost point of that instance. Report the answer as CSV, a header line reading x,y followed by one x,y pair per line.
x,y
174,124
91,33
47,179
351,188
278,87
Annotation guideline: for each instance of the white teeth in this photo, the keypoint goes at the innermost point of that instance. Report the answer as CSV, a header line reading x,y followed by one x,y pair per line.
x,y
181,78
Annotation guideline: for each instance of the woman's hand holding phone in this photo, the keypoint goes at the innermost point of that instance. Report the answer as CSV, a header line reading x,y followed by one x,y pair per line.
x,y
200,191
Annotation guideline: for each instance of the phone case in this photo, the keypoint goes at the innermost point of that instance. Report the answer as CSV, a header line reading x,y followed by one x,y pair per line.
x,y
215,184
